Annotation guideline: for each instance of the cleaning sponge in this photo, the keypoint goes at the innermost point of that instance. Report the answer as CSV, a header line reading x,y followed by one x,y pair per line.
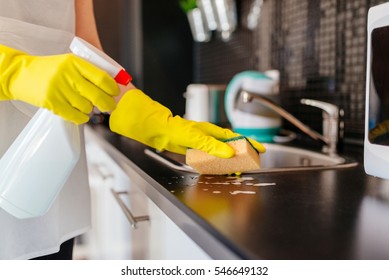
x,y
246,159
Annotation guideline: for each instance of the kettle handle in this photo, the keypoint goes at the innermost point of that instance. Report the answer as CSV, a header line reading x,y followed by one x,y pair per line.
x,y
252,81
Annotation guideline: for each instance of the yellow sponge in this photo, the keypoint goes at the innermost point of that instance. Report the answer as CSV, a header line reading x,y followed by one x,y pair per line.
x,y
246,158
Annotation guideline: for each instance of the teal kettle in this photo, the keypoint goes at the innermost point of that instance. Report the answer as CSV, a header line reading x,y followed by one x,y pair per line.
x,y
253,120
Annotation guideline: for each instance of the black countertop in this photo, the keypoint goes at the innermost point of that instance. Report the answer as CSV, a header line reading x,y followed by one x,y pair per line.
x,y
321,214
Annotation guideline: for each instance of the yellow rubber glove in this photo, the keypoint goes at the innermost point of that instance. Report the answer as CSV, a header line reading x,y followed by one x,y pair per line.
x,y
139,117
65,84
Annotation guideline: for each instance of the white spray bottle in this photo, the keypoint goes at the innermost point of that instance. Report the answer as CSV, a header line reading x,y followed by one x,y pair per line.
x,y
38,163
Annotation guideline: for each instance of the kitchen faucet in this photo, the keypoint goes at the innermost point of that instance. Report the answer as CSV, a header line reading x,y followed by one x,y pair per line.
x,y
332,124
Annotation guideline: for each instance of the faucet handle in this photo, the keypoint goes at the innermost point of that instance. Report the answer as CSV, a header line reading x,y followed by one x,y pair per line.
x,y
333,126
331,109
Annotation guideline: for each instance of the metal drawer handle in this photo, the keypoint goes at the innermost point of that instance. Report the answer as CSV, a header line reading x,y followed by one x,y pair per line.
x,y
102,171
133,220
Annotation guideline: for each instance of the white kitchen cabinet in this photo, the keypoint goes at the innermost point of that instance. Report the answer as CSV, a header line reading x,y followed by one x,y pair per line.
x,y
109,236
158,238
154,236
168,241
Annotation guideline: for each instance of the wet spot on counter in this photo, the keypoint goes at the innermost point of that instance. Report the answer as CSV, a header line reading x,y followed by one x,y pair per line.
x,y
242,192
264,184
220,183
247,178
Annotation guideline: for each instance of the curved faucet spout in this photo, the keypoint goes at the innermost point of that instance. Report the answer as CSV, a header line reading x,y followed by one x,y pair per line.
x,y
330,147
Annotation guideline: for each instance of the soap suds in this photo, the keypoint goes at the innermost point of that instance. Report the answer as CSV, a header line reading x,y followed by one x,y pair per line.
x,y
264,184
218,182
242,192
235,180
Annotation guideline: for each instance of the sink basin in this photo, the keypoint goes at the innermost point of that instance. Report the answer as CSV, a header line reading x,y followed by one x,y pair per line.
x,y
277,158
284,158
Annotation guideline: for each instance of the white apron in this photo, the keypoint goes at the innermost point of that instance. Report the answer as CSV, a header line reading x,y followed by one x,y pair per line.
x,y
40,27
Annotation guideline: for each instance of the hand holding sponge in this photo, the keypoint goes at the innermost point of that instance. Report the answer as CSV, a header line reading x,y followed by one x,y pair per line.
x,y
139,117
246,158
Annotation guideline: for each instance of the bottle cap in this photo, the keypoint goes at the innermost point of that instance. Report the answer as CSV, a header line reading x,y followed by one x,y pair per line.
x,y
123,77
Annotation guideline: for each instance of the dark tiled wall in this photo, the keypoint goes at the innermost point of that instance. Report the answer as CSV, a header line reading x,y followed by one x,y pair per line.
x,y
319,46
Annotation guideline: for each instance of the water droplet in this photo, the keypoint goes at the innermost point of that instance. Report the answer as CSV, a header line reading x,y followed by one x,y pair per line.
x,y
242,192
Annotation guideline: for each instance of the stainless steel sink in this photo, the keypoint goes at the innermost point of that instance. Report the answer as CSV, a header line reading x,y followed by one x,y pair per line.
x,y
285,158
276,159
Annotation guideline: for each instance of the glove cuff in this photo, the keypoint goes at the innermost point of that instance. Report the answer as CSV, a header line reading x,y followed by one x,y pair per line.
x,y
139,117
7,60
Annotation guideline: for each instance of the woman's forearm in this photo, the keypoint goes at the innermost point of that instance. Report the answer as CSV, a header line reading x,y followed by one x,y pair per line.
x,y
86,29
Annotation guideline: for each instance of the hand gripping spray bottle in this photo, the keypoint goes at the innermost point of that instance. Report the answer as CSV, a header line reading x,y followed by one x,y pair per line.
x,y
38,163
